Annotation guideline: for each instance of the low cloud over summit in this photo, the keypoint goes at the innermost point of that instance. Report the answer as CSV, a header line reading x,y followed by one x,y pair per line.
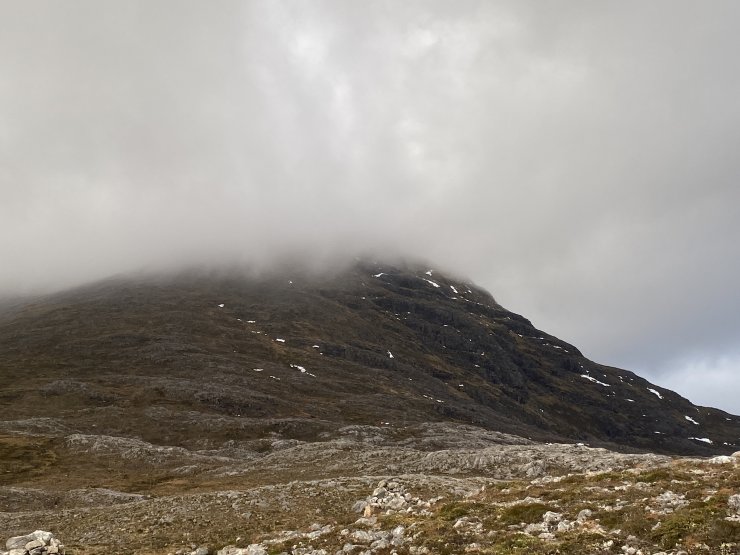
x,y
577,160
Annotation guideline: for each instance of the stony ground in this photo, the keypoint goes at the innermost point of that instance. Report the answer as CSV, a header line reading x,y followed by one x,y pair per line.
x,y
437,488
352,412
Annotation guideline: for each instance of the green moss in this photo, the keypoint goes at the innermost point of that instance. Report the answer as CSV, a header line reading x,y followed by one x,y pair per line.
x,y
663,475
611,476
704,523
631,520
519,543
724,531
527,513
578,543
399,519
453,511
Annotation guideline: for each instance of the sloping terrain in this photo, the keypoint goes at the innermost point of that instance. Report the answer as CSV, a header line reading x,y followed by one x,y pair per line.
x,y
198,360
158,415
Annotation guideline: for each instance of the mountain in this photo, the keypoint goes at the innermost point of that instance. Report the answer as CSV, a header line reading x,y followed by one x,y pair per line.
x,y
373,344
235,413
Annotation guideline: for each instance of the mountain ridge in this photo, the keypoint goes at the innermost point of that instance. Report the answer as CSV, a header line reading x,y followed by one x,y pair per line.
x,y
373,344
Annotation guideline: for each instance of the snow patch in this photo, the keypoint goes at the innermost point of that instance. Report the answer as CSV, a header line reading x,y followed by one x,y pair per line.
x,y
303,370
221,305
429,273
691,420
378,275
390,355
454,290
430,282
651,390
280,340
702,439
589,378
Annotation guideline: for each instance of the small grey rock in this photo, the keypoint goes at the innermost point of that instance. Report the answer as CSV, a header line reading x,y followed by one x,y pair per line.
x,y
585,514
734,503
380,492
359,506
362,536
551,517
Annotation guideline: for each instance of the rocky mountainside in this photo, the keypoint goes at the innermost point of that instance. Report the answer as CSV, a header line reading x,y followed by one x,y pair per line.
x,y
198,360
208,410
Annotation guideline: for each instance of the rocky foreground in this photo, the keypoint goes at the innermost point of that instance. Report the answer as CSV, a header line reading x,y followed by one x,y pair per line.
x,y
437,489
378,409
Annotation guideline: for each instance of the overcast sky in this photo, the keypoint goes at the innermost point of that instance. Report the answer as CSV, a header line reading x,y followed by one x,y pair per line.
x,y
578,159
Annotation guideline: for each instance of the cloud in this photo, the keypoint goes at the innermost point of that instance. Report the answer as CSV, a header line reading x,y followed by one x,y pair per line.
x,y
576,159
704,380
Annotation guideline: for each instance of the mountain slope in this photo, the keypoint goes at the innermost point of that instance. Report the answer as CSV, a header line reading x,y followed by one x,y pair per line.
x,y
199,360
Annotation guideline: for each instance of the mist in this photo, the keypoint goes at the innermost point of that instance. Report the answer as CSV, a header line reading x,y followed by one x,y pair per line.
x,y
576,159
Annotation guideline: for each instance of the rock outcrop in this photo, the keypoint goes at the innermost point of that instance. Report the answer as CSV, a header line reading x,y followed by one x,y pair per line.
x,y
35,543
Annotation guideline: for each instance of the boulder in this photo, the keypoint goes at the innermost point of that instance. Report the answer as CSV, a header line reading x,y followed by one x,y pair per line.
x,y
38,542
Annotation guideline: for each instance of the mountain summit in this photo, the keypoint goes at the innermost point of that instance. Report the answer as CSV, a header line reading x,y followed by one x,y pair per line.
x,y
303,355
